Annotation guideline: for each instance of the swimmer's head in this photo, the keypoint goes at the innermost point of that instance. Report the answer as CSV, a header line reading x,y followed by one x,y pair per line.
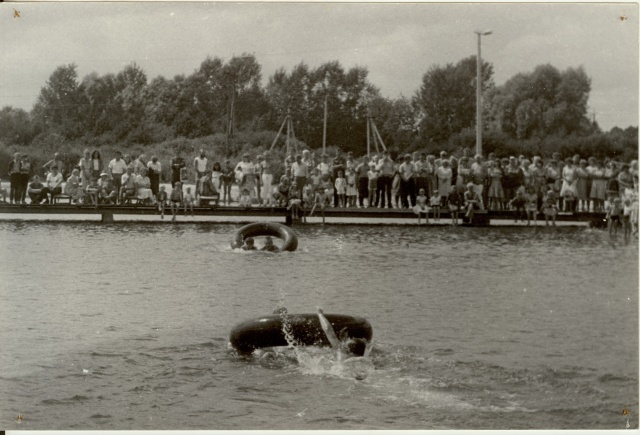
x,y
357,346
268,241
249,240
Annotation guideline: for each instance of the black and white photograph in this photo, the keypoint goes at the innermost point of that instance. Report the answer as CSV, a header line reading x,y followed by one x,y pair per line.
x,y
300,216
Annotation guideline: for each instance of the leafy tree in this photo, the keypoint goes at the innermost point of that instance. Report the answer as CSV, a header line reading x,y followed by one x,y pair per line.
x,y
446,99
59,106
542,103
16,126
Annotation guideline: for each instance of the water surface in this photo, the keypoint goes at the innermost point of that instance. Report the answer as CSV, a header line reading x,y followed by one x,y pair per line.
x,y
125,326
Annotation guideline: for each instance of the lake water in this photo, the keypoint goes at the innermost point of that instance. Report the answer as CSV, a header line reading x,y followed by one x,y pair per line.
x,y
125,326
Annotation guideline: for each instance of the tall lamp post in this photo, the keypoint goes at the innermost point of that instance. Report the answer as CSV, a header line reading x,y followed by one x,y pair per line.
x,y
479,93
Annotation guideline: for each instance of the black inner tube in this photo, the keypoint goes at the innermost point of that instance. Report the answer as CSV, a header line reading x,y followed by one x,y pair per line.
x,y
266,229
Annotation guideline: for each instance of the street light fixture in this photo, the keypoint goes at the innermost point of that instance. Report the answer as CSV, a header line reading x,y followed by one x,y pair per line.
x,y
480,33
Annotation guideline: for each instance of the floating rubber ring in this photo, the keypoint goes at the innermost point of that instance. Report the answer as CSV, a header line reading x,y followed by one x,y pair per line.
x,y
266,229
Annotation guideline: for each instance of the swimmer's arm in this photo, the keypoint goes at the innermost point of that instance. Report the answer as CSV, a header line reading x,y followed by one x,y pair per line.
x,y
328,330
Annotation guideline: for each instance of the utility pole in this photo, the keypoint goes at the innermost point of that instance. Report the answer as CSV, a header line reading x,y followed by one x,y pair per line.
x,y
479,93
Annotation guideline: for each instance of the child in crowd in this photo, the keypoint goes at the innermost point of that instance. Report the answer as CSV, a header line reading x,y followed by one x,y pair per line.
x,y
634,214
307,200
421,206
245,199
456,202
626,217
531,205
518,203
162,200
326,185
351,187
395,191
321,200
315,179
227,177
614,215
188,199
569,201
549,207
294,201
91,196
435,202
472,201
341,188
176,199
373,186
281,193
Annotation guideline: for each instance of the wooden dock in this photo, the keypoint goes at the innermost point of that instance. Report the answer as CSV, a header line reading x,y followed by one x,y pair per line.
x,y
360,215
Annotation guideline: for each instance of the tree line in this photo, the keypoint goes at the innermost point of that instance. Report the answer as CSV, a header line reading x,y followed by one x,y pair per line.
x,y
535,112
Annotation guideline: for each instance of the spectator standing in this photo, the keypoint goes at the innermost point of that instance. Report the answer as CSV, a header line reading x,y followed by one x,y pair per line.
x,y
266,175
444,174
227,178
300,173
154,169
86,169
479,175
422,173
216,176
14,178
25,176
598,186
581,186
362,180
337,165
200,165
496,192
324,167
96,164
407,182
246,175
117,168
513,179
386,171
177,163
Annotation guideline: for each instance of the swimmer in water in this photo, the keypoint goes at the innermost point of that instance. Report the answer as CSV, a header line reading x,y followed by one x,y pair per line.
x,y
269,246
351,352
249,244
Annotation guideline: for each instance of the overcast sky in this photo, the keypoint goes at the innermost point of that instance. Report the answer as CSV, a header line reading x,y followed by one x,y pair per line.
x,y
398,43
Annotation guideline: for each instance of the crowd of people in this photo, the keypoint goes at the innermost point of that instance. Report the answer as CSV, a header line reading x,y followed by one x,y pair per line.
x,y
305,183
